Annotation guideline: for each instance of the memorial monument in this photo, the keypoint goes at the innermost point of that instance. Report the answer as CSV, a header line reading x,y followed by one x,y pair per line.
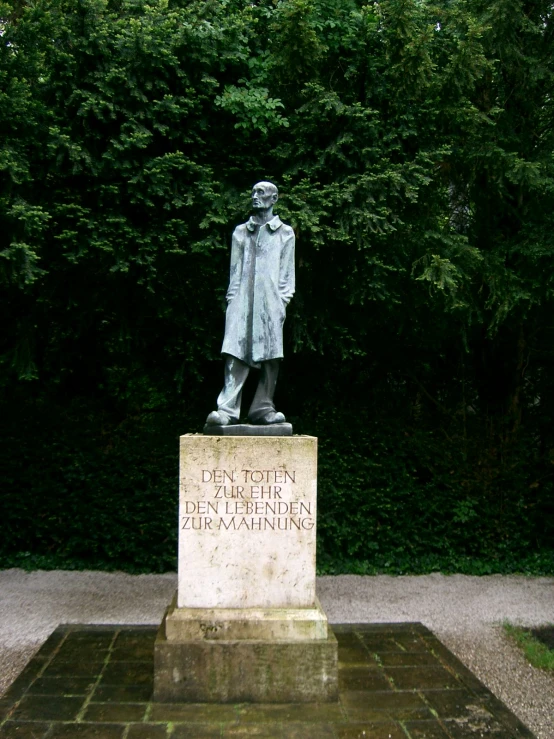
x,y
245,624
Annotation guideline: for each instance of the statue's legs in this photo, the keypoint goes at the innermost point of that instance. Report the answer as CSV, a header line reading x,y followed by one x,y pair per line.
x,y
262,409
228,402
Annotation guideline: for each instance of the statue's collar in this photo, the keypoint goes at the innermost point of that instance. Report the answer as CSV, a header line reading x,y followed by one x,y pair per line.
x,y
273,224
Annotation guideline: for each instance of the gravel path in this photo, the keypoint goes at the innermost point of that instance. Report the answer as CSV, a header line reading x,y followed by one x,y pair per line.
x,y
464,612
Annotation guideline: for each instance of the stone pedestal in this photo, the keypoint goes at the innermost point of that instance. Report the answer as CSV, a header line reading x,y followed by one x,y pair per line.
x,y
245,624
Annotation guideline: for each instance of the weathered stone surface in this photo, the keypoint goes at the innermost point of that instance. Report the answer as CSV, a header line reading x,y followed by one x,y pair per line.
x,y
278,624
246,625
247,522
220,671
249,429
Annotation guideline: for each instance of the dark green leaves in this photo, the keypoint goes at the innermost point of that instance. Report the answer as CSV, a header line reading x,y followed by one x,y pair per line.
x,y
412,143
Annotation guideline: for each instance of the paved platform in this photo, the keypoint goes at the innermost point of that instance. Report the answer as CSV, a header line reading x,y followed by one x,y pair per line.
x,y
396,681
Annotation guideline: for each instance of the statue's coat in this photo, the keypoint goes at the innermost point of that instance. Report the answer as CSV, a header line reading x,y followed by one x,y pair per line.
x,y
261,285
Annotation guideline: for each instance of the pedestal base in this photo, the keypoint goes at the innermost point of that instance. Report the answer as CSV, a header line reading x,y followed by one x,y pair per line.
x,y
293,660
246,625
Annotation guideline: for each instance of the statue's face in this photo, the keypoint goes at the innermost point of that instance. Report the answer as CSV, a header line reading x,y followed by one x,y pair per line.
x,y
264,195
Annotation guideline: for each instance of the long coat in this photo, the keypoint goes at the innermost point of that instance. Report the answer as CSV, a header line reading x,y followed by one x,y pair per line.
x,y
260,287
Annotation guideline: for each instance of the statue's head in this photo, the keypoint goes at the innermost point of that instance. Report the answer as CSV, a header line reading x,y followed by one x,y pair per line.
x,y
264,195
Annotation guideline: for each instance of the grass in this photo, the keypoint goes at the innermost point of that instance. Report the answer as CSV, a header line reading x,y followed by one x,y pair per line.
x,y
536,653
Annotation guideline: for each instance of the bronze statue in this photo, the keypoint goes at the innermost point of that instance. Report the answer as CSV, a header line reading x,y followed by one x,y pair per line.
x,y
261,285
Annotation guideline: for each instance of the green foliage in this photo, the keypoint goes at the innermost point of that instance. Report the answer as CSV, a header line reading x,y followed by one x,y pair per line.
x,y
102,496
536,653
412,142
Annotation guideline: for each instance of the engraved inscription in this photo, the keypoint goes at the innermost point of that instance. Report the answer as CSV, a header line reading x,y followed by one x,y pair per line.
x,y
247,500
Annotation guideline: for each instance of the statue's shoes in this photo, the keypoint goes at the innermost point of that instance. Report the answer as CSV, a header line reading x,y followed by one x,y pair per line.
x,y
217,419
270,418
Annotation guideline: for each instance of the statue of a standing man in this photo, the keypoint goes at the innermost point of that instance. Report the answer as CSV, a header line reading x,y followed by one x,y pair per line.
x,y
260,287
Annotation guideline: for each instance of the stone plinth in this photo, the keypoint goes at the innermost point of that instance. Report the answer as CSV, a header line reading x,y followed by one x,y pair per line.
x,y
244,670
247,522
246,624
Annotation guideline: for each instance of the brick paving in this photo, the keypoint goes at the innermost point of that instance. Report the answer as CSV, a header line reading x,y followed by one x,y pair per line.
x,y
396,681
